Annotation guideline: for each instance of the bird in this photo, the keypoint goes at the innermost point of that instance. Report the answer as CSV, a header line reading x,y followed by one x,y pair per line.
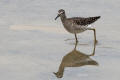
x,y
77,25
75,58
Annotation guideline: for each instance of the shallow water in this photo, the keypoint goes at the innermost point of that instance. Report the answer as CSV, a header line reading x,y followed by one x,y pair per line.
x,y
33,45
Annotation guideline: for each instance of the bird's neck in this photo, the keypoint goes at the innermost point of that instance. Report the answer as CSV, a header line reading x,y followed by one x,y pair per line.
x,y
63,17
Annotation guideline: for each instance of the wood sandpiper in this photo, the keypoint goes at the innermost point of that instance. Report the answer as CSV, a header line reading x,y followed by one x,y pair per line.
x,y
77,25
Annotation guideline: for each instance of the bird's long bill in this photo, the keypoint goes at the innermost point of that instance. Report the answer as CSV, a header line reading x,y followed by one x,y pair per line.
x,y
57,16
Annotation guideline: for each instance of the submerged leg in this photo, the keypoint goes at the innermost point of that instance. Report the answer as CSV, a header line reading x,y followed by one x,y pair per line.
x,y
76,38
75,45
95,41
94,50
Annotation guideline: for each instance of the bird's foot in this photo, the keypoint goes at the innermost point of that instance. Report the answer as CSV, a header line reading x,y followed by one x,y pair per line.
x,y
96,41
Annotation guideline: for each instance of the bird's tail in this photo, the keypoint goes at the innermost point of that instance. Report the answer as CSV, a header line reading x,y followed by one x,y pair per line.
x,y
91,20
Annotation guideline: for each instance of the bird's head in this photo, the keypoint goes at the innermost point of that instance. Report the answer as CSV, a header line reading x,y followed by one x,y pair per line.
x,y
60,13
58,74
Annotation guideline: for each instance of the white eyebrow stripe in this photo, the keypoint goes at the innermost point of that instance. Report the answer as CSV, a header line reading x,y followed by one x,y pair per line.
x,y
60,12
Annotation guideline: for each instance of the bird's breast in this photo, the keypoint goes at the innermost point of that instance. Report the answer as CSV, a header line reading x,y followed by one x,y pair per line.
x,y
72,28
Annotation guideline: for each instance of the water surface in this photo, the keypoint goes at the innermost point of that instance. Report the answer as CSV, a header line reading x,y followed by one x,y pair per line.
x,y
33,45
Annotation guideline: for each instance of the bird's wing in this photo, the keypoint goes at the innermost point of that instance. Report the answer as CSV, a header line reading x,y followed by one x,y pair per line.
x,y
84,21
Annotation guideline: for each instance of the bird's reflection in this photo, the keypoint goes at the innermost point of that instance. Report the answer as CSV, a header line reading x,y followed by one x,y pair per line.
x,y
75,58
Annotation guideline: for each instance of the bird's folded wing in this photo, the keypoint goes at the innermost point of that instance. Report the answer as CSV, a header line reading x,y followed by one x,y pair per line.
x,y
84,21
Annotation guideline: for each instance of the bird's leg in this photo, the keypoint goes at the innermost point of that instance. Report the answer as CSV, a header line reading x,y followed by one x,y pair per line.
x,y
95,41
95,36
76,38
93,50
75,45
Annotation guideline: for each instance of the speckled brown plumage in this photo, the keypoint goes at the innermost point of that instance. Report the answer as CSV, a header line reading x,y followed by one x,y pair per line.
x,y
84,21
